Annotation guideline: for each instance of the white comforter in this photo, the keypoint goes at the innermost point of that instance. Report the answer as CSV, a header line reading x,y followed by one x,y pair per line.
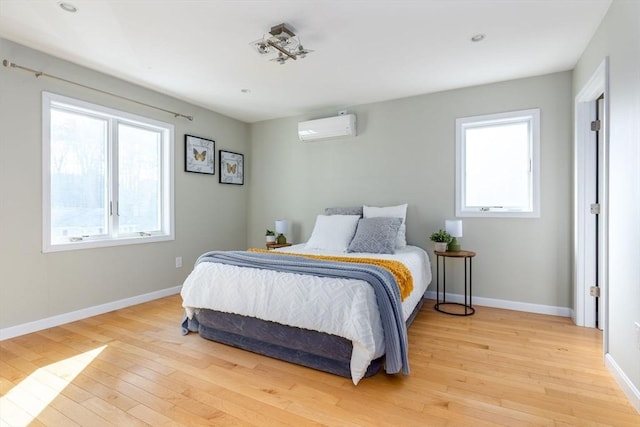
x,y
342,307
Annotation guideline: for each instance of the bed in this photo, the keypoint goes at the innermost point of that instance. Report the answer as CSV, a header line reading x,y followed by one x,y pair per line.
x,y
335,324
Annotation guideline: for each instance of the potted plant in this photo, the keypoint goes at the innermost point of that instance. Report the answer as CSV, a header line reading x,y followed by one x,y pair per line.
x,y
441,239
270,236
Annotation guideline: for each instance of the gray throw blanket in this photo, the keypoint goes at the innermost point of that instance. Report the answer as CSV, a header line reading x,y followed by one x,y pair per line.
x,y
383,283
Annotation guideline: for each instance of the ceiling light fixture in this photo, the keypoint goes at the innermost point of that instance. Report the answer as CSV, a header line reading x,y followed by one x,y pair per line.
x,y
68,7
283,41
478,38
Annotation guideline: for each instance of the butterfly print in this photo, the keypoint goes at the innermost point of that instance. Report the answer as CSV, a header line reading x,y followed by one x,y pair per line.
x,y
232,169
200,156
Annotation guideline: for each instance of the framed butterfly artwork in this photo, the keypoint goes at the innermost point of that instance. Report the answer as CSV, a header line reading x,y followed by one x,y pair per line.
x,y
198,155
231,167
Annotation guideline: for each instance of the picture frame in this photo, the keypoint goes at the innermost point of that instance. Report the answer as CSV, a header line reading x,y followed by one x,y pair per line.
x,y
199,155
231,167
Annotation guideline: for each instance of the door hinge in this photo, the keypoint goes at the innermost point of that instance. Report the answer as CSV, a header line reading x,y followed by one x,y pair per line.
x,y
594,291
596,125
595,208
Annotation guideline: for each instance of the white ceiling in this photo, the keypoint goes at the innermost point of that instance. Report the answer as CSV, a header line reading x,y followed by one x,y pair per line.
x,y
365,50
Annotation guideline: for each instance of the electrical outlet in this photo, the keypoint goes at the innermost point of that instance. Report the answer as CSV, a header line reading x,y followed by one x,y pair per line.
x,y
178,261
637,334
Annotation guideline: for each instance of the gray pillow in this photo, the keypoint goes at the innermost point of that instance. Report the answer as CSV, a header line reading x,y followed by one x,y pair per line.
x,y
355,210
376,235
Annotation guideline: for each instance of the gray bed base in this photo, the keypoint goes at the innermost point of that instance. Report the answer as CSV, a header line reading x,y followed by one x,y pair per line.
x,y
317,350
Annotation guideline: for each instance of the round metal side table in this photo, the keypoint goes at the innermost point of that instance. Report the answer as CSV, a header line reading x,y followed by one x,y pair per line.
x,y
442,305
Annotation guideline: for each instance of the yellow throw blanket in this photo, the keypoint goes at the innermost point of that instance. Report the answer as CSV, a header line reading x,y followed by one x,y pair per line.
x,y
399,270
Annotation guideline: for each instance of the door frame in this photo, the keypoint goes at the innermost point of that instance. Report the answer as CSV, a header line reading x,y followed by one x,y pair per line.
x,y
584,167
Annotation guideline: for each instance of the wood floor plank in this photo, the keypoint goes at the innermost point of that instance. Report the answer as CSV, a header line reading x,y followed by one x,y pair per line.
x,y
112,413
51,417
78,413
496,368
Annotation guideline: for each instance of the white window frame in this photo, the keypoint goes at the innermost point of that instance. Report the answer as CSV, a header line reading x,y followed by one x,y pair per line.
x,y
114,117
532,118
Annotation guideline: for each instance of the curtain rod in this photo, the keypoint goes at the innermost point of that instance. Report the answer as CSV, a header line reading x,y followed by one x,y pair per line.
x,y
37,73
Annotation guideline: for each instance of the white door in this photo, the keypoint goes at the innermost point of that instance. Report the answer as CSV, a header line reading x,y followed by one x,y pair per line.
x,y
590,215
598,126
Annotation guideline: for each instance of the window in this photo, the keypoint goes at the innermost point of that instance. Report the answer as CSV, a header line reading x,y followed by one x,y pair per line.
x,y
107,176
497,165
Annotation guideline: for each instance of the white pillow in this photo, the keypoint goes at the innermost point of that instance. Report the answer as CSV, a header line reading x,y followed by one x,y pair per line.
x,y
333,232
399,211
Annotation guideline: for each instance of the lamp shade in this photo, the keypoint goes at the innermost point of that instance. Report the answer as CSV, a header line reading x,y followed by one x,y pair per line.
x,y
454,227
282,226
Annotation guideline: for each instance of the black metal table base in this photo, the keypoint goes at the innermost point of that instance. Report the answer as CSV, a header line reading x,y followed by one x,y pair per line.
x,y
441,305
468,310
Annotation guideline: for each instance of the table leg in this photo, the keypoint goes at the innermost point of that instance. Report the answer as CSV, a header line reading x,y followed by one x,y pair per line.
x,y
465,286
444,280
437,281
470,282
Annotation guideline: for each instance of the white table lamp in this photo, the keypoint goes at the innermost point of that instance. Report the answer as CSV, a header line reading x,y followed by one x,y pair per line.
x,y
454,228
282,228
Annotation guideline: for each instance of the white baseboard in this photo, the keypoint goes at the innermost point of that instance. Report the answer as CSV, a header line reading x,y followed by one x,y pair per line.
x,y
49,322
508,305
632,393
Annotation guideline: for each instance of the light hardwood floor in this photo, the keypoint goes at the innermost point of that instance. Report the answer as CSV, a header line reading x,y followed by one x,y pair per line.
x,y
132,367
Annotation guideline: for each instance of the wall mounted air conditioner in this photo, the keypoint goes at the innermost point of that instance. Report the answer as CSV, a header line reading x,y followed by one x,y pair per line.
x,y
331,127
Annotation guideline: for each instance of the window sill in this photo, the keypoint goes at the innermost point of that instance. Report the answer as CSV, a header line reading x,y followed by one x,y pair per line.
x,y
497,214
91,244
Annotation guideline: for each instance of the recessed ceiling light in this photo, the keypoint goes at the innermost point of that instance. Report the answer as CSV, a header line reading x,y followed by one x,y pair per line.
x,y
68,7
478,38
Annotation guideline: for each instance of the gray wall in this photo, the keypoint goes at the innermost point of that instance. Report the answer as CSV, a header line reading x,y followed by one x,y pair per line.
x,y
405,153
34,285
619,38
